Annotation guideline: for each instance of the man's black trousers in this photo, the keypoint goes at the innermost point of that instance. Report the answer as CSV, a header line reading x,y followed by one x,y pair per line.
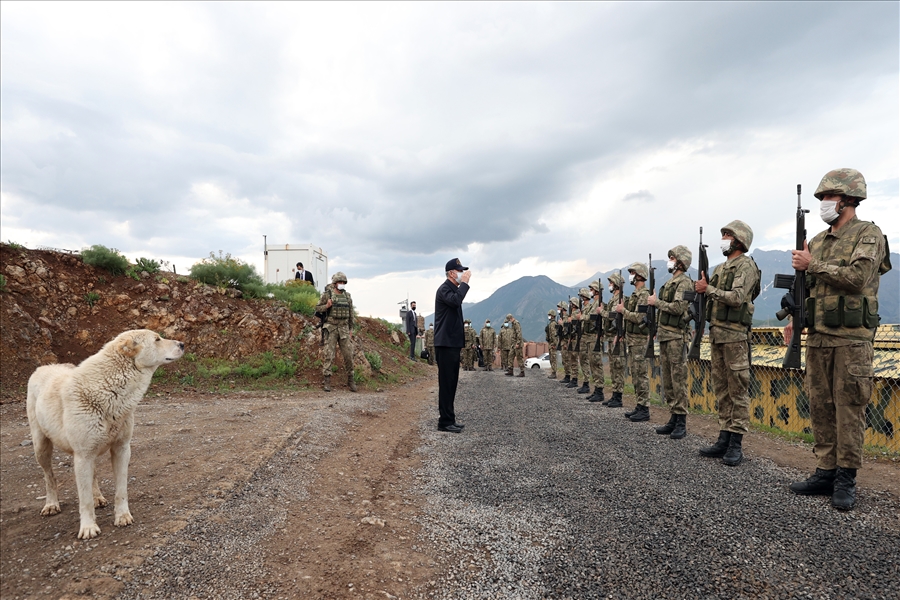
x,y
448,377
412,344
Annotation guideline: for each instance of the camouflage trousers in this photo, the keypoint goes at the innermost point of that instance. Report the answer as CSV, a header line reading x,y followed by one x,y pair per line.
x,y
597,369
430,355
504,357
468,357
337,335
488,358
839,385
673,368
731,385
594,361
583,356
515,353
640,378
573,362
616,368
553,360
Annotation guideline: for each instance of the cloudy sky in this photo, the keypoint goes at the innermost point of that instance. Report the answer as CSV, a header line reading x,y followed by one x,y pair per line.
x,y
555,139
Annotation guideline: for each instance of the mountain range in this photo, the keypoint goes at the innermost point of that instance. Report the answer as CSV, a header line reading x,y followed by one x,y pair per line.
x,y
529,298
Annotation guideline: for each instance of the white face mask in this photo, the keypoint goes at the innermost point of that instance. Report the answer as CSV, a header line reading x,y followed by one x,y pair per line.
x,y
612,289
670,265
828,211
725,246
487,324
632,278
466,325
458,276
340,286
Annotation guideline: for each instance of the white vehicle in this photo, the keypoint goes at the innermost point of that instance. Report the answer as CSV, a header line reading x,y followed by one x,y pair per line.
x,y
540,362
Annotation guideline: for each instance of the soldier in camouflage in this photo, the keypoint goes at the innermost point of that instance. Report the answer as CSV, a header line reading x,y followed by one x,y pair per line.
x,y
616,359
487,337
563,341
673,331
637,333
469,352
594,316
552,340
516,347
584,341
730,294
572,341
429,343
843,266
338,308
505,336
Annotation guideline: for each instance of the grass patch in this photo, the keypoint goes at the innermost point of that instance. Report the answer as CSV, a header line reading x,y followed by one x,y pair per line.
x,y
374,360
300,298
91,298
2,282
105,258
225,270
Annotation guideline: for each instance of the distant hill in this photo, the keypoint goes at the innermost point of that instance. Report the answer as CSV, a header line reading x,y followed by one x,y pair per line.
x,y
529,298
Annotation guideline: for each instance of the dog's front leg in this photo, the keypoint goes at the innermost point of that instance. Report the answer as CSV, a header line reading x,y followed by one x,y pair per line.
x,y
121,455
43,451
84,480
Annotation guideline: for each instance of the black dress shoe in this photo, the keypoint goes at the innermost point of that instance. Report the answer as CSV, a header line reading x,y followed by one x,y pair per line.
x,y
451,428
460,425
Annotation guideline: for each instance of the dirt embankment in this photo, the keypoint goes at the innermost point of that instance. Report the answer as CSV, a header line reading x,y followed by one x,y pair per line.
x,y
56,309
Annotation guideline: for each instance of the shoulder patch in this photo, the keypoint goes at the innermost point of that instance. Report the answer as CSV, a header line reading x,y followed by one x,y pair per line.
x,y
869,239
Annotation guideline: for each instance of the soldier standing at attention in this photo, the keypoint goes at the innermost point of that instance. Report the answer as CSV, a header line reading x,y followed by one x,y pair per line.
x,y
595,318
730,294
338,307
429,343
552,339
488,338
843,266
672,332
586,343
563,341
616,359
571,339
469,351
505,334
636,335
516,347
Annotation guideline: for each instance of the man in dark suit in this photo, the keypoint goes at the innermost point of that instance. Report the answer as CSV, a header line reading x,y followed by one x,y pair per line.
x,y
449,339
412,329
304,275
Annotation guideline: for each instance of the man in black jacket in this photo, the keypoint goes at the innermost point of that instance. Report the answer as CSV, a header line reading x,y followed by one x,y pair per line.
x,y
412,329
304,275
449,339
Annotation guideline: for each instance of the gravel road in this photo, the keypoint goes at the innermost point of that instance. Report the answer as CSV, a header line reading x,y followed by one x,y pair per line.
x,y
546,495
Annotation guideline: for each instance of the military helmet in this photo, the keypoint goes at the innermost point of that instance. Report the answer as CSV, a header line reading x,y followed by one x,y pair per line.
x,y
616,280
741,232
640,269
551,313
595,285
339,277
563,305
848,182
509,317
682,254
585,292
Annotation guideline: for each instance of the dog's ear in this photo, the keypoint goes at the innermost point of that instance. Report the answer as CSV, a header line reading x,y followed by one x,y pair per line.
x,y
128,346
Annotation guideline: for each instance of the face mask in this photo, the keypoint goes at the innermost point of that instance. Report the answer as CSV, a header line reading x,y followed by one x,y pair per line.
x,y
506,325
487,324
725,246
612,289
671,266
340,286
828,211
458,276
632,278
466,325
431,327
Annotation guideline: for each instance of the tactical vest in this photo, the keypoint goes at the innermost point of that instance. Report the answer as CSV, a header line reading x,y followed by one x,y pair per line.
x,y
590,326
340,306
638,328
610,323
732,314
667,294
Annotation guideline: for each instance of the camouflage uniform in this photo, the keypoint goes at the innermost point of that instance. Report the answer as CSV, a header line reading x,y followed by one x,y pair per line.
x,y
338,326
616,359
563,341
488,338
516,348
588,337
572,341
550,335
505,335
843,279
429,344
469,351
636,334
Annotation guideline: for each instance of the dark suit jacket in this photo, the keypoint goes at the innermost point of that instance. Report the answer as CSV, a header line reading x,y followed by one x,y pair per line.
x,y
448,315
307,276
411,328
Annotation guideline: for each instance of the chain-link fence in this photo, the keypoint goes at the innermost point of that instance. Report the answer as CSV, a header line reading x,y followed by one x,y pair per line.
x,y
778,398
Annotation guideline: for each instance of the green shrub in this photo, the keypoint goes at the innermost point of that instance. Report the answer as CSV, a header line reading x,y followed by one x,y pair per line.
x,y
147,264
2,282
301,299
374,360
14,245
105,258
91,298
225,271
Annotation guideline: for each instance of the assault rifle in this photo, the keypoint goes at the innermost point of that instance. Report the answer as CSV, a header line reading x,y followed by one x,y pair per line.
x,y
323,316
650,319
620,321
697,308
579,327
793,303
559,333
598,324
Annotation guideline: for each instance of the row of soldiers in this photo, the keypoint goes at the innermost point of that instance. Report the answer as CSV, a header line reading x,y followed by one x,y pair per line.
x,y
841,267
509,341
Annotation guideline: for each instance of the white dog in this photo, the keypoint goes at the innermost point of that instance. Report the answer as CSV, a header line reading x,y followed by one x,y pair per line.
x,y
89,409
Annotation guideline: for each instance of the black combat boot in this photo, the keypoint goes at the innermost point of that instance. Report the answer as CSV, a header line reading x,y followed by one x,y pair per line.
x,y
585,388
641,413
573,383
632,411
844,497
597,396
668,427
509,372
326,385
734,455
820,483
615,401
680,427
350,382
565,379
718,449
